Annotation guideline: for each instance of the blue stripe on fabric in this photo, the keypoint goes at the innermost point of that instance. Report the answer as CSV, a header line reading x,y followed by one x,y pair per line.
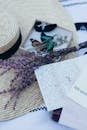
x,y
65,4
75,4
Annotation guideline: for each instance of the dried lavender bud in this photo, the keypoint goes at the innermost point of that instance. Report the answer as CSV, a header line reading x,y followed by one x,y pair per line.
x,y
24,65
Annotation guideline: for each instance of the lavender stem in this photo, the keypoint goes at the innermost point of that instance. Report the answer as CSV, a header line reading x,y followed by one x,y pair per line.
x,y
66,51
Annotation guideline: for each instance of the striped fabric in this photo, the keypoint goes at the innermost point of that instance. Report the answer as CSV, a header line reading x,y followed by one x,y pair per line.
x,y
77,10
68,3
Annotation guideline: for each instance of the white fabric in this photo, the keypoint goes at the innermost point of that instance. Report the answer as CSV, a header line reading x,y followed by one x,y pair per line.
x,y
41,120
74,115
33,121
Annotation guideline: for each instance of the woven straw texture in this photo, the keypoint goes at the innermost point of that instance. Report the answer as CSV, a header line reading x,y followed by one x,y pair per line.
x,y
9,31
26,12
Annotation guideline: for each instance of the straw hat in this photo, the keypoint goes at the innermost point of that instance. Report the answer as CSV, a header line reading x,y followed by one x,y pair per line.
x,y
10,36
26,13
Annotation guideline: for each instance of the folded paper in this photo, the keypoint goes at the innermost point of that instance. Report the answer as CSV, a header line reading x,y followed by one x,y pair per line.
x,y
55,80
78,93
74,115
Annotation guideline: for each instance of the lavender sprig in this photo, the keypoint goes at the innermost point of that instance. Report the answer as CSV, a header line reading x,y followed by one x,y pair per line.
x,y
24,65
24,74
63,52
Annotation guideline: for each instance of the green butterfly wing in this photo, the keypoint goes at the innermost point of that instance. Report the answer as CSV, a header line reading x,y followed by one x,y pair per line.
x,y
45,37
50,46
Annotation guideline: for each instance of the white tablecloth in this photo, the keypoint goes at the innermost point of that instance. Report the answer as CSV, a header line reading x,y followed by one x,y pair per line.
x,y
41,120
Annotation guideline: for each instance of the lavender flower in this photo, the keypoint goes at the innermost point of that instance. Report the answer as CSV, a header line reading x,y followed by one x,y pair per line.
x,y
24,65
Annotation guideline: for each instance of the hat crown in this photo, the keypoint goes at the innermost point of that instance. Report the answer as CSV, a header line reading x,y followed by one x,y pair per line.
x,y
9,31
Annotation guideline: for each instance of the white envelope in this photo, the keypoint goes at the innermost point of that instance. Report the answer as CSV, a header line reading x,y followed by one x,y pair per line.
x,y
73,115
48,76
55,80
